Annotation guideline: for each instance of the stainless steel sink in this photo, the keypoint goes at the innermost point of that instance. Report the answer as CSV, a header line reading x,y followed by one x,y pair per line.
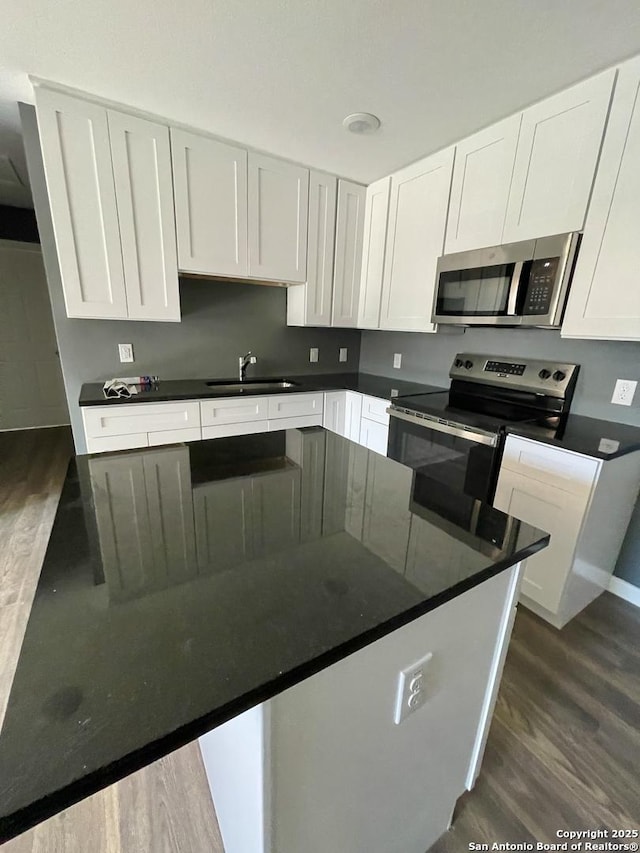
x,y
265,385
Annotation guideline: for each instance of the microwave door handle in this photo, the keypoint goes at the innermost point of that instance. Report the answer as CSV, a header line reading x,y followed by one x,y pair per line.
x,y
514,287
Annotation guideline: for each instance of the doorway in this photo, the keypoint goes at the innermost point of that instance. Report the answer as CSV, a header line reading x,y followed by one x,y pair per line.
x,y
31,387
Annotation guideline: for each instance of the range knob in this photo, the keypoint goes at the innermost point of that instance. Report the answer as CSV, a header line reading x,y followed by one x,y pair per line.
x,y
544,373
468,364
457,362
559,375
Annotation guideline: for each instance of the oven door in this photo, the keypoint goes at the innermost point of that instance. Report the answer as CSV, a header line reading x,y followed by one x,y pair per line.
x,y
455,467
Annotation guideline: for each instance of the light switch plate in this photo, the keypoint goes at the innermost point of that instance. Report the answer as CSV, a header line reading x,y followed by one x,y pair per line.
x,y
343,354
397,359
313,354
125,351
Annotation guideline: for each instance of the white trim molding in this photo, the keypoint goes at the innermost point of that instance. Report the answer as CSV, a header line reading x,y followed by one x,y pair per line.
x,y
624,589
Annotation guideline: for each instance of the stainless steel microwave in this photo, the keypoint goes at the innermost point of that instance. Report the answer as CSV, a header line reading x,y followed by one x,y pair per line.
x,y
518,284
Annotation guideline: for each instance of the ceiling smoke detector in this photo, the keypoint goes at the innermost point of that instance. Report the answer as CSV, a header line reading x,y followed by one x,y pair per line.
x,y
361,123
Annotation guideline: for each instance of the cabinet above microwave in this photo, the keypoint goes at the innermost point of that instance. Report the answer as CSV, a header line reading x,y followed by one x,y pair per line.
x,y
517,284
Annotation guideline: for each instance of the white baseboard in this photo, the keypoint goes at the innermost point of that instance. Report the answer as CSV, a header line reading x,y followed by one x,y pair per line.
x,y
624,589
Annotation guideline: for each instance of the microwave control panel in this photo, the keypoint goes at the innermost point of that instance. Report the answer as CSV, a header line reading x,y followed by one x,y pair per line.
x,y
540,286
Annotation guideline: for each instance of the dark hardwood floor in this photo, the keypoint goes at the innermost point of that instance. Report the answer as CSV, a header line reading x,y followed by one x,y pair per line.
x,y
563,752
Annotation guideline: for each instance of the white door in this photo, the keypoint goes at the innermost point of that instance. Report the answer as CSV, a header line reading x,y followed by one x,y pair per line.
x,y
604,300
353,415
31,389
322,231
333,416
480,186
376,212
348,261
210,184
550,509
74,137
144,194
374,436
556,160
278,215
415,241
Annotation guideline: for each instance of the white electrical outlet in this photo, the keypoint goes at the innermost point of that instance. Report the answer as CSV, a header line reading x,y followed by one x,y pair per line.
x,y
343,354
412,689
313,354
397,359
125,351
624,391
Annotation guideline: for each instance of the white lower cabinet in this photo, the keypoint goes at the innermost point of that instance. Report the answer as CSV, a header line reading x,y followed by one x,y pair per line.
x,y
120,425
335,409
584,503
358,417
374,435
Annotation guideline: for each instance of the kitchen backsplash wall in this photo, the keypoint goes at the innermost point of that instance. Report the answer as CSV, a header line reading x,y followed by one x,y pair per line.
x,y
428,358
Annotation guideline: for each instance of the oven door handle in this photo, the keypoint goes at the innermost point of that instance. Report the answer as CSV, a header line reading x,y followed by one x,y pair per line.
x,y
491,439
514,289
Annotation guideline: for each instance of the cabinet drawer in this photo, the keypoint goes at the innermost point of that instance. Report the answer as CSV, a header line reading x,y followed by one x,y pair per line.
x,y
223,430
117,442
295,422
234,410
375,409
561,468
173,436
294,405
101,421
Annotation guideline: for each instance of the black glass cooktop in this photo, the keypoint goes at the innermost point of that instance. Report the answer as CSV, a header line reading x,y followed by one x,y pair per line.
x,y
489,416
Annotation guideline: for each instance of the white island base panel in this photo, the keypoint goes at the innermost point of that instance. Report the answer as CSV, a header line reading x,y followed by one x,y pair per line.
x,y
323,766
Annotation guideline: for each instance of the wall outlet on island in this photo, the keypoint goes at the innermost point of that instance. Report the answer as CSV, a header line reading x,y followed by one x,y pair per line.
x,y
342,355
624,391
313,354
397,359
412,688
125,351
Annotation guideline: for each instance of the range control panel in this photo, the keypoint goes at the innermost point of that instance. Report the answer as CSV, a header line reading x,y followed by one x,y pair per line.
x,y
505,367
524,374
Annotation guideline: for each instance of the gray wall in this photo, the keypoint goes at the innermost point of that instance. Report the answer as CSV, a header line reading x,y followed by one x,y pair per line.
x,y
220,321
429,357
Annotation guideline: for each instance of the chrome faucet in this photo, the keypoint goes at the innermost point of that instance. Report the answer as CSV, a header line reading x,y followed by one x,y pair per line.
x,y
243,362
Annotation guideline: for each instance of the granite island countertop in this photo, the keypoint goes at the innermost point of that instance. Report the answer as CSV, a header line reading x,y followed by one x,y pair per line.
x,y
183,585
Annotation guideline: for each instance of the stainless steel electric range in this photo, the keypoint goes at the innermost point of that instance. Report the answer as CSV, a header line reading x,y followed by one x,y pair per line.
x,y
454,439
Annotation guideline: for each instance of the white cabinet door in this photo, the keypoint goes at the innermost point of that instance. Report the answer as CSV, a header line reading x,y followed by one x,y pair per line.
x,y
210,184
335,408
374,435
353,415
604,300
278,213
556,160
74,137
553,510
144,194
415,241
348,261
376,212
480,186
375,409
295,405
234,410
322,229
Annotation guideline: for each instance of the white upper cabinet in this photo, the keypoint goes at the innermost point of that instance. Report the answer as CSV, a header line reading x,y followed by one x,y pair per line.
x,y
480,187
74,137
376,211
310,304
415,241
556,160
604,300
348,253
278,211
144,194
210,185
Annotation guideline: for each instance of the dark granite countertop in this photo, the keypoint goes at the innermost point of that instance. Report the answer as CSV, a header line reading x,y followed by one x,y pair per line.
x,y
196,389
184,584
590,436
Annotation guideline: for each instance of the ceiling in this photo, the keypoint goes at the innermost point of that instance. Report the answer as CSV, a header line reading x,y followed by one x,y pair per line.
x,y
280,75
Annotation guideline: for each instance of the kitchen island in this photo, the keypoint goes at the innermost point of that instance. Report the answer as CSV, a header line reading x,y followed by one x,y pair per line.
x,y
262,593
